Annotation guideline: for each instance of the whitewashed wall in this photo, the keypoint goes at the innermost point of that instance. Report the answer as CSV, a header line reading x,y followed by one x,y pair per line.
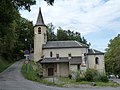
x,y
64,69
64,52
38,41
91,62
73,67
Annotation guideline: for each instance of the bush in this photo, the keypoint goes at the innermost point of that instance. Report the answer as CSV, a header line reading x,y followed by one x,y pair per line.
x,y
4,64
97,77
77,75
39,70
104,78
79,79
91,74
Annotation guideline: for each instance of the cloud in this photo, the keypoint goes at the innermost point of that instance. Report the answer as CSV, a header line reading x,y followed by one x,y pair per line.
x,y
85,16
80,15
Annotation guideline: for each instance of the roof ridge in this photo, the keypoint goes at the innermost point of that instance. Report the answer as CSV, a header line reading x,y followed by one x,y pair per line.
x,y
63,41
93,50
78,43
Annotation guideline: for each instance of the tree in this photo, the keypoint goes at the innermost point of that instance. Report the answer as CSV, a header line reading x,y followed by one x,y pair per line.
x,y
70,35
84,41
13,40
24,31
10,24
61,35
49,2
112,56
50,32
10,8
23,4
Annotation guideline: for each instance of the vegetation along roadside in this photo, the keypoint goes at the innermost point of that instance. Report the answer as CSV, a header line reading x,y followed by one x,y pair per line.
x,y
32,74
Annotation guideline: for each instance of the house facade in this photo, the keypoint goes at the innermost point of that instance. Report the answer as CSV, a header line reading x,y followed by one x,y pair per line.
x,y
58,58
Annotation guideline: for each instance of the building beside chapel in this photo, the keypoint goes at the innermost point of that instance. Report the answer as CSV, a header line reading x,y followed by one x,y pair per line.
x,y
58,58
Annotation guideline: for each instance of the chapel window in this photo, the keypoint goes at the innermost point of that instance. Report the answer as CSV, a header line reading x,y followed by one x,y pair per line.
x,y
57,56
85,57
39,30
69,55
96,60
51,54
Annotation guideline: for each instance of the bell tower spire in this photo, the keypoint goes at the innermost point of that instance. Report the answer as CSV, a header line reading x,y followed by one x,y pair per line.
x,y
40,21
40,36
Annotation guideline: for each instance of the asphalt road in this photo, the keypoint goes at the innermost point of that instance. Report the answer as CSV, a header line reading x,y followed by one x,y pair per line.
x,y
12,79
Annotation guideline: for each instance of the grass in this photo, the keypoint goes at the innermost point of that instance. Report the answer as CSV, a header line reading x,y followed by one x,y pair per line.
x,y
3,64
112,84
32,75
72,81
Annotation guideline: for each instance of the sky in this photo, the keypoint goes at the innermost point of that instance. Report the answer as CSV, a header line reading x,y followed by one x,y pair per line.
x,y
97,20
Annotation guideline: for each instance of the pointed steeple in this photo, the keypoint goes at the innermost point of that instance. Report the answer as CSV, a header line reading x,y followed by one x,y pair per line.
x,y
40,21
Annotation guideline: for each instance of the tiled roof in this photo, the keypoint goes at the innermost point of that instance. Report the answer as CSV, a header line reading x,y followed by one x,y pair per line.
x,y
40,21
94,52
63,44
73,60
76,60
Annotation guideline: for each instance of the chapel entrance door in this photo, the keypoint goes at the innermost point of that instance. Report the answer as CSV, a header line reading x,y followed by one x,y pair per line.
x,y
50,72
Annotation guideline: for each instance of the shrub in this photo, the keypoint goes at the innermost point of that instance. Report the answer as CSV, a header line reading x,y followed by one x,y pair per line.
x,y
94,75
104,78
90,74
39,70
77,75
79,79
97,77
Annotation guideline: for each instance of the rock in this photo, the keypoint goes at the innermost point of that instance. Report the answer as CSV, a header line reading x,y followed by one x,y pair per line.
x,y
93,84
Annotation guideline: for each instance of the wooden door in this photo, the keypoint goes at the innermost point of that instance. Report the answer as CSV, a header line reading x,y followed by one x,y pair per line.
x,y
50,72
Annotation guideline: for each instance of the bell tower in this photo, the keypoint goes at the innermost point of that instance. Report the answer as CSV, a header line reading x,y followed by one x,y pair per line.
x,y
40,36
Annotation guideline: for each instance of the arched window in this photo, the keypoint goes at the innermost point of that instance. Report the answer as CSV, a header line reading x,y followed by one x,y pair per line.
x,y
39,30
51,54
96,60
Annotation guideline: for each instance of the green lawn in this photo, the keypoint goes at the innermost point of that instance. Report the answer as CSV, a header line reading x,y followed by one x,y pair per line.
x,y
3,64
32,75
72,81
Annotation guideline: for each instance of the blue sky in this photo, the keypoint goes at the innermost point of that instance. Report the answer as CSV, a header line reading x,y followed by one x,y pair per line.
x,y
97,20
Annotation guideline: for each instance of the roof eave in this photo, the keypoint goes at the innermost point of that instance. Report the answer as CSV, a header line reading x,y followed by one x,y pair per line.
x,y
95,54
61,47
40,25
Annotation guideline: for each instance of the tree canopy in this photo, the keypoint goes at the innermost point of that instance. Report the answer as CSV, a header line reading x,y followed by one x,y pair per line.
x,y
112,56
50,32
14,28
63,35
49,2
